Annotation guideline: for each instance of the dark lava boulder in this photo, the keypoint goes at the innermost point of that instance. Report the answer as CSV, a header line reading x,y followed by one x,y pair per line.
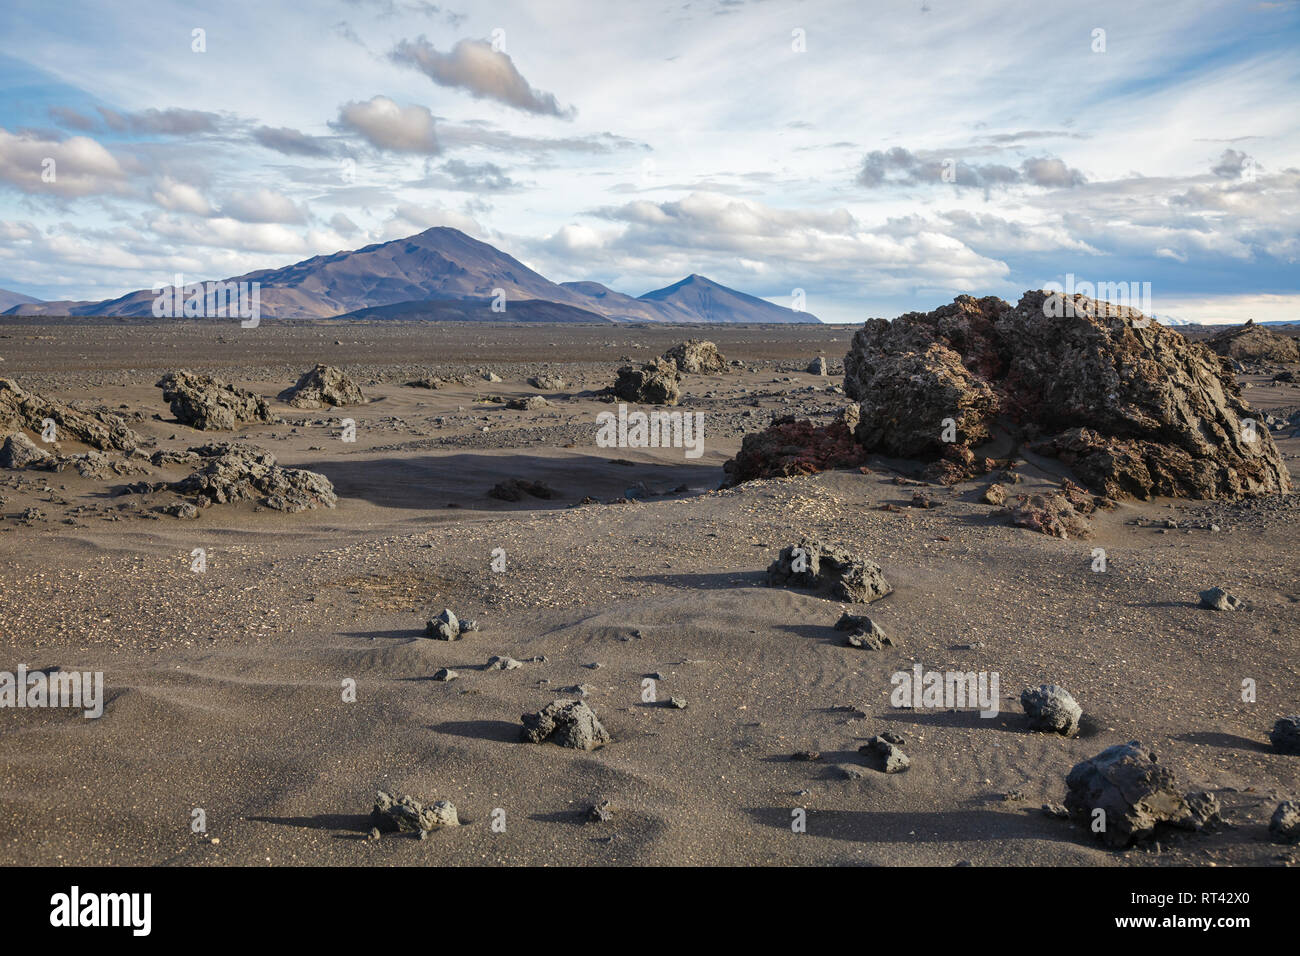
x,y
394,814
793,447
696,358
321,387
654,383
1130,405
97,428
567,723
236,471
813,565
19,451
207,404
1134,793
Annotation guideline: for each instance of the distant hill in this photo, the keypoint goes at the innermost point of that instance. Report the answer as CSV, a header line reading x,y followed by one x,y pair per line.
x,y
625,308
712,302
443,265
10,299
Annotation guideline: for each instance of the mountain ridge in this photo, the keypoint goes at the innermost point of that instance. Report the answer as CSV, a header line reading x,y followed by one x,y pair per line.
x,y
440,264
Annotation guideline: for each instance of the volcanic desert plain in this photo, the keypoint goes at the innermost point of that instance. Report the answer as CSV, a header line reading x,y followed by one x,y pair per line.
x,y
266,666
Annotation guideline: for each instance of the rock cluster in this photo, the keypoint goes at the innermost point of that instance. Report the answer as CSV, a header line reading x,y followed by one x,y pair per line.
x,y
447,627
1254,343
813,565
1135,794
237,471
696,358
568,723
394,814
99,429
323,386
207,404
654,383
793,447
1131,406
885,753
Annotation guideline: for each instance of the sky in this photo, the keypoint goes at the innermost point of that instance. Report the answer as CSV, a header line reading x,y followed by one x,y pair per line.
x,y
881,156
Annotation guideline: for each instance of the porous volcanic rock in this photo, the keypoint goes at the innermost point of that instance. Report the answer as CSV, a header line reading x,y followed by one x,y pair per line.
x,y
394,814
1133,407
98,428
1052,514
1285,735
654,383
19,451
568,723
1254,343
845,577
1135,792
207,404
884,754
696,357
793,447
548,382
237,471
514,489
1285,823
1051,708
321,387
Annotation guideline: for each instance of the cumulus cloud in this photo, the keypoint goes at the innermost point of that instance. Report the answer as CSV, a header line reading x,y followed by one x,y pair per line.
x,y
385,125
263,205
176,196
899,166
291,142
1232,164
485,73
78,166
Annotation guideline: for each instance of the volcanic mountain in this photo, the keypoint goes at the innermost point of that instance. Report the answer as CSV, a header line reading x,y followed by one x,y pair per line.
x,y
424,274
712,302
10,299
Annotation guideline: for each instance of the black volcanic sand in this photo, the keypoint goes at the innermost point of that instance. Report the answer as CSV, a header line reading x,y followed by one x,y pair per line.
x,y
225,688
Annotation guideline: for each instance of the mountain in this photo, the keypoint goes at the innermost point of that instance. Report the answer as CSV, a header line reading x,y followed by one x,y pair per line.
x,y
10,299
445,265
712,302
619,306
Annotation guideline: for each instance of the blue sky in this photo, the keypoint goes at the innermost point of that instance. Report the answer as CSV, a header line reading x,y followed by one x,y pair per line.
x,y
881,156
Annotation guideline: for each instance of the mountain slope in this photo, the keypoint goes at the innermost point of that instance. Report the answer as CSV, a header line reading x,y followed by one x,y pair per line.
x,y
616,305
713,302
439,263
10,299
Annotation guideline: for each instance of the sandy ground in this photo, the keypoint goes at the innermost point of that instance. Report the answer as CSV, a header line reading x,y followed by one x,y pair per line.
x,y
225,688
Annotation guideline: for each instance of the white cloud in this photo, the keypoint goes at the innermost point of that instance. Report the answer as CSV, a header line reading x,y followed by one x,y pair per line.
x,y
180,197
385,125
78,166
